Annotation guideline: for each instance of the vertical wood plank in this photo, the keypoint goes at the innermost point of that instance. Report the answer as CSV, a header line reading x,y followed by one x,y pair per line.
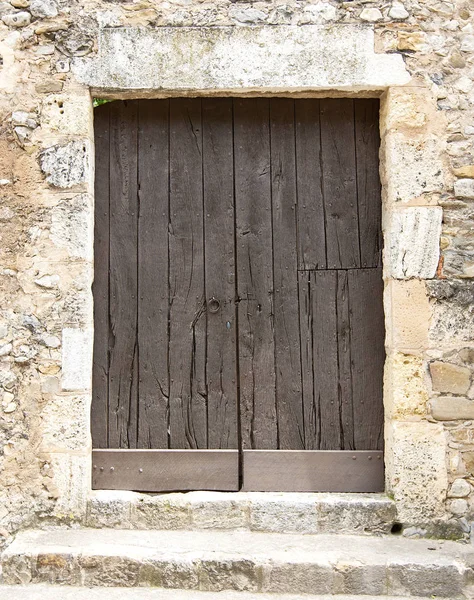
x,y
367,138
339,183
221,368
324,416
367,356
100,288
153,165
187,346
344,354
255,273
123,353
311,222
311,416
285,276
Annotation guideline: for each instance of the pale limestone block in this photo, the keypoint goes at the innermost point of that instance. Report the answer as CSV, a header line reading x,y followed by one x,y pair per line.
x,y
465,171
406,107
240,58
68,114
413,242
66,166
110,508
70,484
77,359
65,422
452,408
406,392
464,188
398,11
162,511
211,510
459,507
447,377
43,9
72,226
459,489
371,15
416,469
412,167
409,311
18,19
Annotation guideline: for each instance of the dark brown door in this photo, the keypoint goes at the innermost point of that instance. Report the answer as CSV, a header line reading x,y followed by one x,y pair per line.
x,y
239,336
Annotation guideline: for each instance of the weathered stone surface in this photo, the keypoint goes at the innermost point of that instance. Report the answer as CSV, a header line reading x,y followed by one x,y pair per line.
x,y
272,563
72,227
65,166
451,408
409,310
417,470
372,15
465,171
406,393
398,11
240,59
18,19
49,87
459,507
464,188
76,359
413,239
447,377
43,8
460,488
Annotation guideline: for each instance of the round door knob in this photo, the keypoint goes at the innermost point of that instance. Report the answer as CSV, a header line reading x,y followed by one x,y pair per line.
x,y
213,305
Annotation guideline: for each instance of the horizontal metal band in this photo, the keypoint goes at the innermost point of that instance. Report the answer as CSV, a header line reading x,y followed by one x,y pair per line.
x,y
313,471
165,470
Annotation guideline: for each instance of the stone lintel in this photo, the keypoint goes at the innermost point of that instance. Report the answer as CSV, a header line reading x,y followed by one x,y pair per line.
x,y
240,59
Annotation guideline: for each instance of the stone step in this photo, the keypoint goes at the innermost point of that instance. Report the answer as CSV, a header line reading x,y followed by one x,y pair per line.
x,y
241,561
51,592
254,511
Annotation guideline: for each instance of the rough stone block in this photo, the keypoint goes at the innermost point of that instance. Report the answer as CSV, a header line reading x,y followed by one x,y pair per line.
x,y
71,484
283,515
240,58
110,509
406,391
453,312
65,423
447,377
169,511
77,359
409,312
213,511
68,115
72,226
240,575
66,166
294,575
43,9
413,242
416,469
452,408
437,580
356,514
172,574
464,188
459,489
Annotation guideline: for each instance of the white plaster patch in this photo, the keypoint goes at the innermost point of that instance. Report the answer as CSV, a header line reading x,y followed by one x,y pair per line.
x,y
241,58
77,359
413,242
72,226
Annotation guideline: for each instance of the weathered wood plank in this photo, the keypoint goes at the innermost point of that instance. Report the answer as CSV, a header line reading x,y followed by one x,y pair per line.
x,y
285,276
317,471
221,368
368,181
339,183
123,370
344,357
187,346
311,222
100,288
165,470
367,356
254,273
153,176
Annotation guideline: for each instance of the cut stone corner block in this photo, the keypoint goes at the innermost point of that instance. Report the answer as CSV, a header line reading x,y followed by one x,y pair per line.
x,y
413,242
77,359
66,165
273,58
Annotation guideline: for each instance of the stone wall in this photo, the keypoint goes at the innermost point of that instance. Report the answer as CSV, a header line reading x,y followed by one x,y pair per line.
x,y
46,214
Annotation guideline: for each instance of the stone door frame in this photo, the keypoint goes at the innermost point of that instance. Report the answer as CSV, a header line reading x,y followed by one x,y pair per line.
x,y
305,61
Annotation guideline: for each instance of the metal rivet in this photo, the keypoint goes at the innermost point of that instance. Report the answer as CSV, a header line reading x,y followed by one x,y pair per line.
x,y
140,470
95,466
370,458
112,469
101,468
354,457
379,457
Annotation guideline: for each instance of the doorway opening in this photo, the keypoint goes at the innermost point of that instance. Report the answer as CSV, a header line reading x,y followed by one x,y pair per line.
x,y
239,328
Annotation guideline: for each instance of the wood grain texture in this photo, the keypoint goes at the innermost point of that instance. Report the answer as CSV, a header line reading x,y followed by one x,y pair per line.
x,y
187,346
367,139
221,367
312,471
339,183
291,432
255,273
153,176
311,219
100,288
123,343
165,470
367,356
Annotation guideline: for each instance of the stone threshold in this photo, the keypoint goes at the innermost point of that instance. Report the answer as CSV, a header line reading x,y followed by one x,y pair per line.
x,y
52,592
272,512
241,561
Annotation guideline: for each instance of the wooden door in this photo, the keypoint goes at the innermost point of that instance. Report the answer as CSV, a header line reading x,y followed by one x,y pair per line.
x,y
239,337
